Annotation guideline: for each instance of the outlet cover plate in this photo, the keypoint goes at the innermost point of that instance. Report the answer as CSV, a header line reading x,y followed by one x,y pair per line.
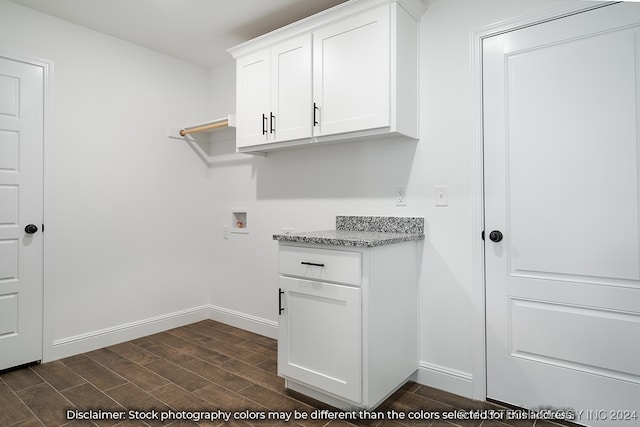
x,y
401,196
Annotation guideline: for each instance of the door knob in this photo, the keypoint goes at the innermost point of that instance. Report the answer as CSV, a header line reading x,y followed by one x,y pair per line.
x,y
495,236
31,228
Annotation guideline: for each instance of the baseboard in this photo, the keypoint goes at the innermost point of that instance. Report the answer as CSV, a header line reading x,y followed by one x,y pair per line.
x,y
94,340
447,379
244,321
429,374
90,341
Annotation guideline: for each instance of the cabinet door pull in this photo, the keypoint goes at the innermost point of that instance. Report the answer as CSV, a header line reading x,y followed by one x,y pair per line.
x,y
315,117
264,124
280,308
272,123
312,264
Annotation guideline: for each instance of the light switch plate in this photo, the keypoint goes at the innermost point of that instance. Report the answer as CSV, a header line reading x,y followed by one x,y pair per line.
x,y
441,193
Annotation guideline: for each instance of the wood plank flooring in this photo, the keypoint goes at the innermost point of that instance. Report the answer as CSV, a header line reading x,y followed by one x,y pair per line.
x,y
199,369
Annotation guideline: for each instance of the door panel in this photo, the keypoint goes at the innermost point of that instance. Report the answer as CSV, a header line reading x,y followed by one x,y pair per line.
x,y
21,200
8,150
9,259
351,84
252,99
574,134
9,92
291,89
8,314
8,204
543,332
320,336
562,184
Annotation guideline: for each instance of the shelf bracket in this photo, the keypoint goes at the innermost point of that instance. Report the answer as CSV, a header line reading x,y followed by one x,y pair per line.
x,y
209,129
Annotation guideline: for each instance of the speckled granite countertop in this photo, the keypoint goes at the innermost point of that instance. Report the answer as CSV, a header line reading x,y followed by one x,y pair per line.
x,y
362,231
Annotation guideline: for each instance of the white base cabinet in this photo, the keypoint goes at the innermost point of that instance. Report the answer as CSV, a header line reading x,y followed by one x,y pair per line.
x,y
348,321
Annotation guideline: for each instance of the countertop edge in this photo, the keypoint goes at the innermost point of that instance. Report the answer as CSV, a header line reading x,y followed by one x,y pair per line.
x,y
365,240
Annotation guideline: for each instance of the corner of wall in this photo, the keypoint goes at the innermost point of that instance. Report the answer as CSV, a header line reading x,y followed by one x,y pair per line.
x,y
444,378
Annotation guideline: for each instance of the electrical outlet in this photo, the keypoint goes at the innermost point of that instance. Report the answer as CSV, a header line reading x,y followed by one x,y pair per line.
x,y
401,196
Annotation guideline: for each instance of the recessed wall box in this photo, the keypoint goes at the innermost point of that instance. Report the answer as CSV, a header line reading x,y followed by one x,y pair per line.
x,y
239,222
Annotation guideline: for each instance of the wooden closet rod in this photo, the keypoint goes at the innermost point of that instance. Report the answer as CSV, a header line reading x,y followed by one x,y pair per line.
x,y
203,128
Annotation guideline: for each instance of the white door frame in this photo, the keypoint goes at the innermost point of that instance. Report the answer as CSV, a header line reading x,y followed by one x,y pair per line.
x,y
47,202
478,343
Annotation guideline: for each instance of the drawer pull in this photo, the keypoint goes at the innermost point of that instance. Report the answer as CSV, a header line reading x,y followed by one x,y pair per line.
x,y
312,264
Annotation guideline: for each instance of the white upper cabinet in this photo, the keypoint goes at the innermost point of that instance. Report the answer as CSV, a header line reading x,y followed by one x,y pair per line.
x,y
351,72
291,103
274,94
253,99
348,72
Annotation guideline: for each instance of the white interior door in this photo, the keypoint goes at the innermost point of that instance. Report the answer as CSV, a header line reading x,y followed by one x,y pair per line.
x,y
561,121
21,204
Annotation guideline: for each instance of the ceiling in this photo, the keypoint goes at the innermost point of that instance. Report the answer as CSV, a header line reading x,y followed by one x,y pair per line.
x,y
197,31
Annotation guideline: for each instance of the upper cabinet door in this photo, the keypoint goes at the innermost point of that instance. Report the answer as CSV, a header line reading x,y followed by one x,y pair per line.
x,y
291,114
274,94
253,99
351,80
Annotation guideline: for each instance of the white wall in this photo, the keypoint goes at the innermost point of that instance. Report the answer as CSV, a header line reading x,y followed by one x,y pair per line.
x,y
130,211
137,220
306,188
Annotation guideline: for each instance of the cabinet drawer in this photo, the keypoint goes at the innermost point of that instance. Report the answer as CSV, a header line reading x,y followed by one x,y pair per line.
x,y
322,264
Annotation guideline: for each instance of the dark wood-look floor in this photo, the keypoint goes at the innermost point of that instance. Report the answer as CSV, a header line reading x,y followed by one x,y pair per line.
x,y
206,366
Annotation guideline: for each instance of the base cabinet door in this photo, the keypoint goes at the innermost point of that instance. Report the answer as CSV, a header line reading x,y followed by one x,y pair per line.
x,y
320,336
